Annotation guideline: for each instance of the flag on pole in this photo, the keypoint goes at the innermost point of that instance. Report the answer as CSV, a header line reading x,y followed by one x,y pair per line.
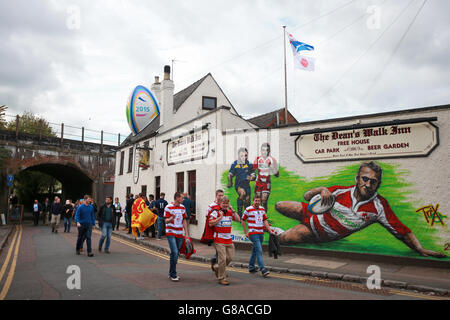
x,y
298,46
304,63
301,62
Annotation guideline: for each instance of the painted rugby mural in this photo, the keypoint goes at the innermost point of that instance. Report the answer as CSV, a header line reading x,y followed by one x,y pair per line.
x,y
373,208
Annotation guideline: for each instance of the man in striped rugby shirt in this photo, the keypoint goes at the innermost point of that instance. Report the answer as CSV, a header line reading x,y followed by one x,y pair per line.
x,y
256,218
355,208
175,215
221,219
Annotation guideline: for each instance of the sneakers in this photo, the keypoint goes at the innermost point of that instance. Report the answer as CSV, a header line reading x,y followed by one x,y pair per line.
x,y
90,254
224,282
252,271
175,279
107,251
265,273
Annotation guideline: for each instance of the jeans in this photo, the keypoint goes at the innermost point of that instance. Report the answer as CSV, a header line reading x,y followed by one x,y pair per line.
x,y
257,253
84,232
106,234
36,218
128,222
117,222
160,226
67,224
175,245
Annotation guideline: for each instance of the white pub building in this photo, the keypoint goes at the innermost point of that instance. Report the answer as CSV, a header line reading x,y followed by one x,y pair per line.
x,y
186,148
191,145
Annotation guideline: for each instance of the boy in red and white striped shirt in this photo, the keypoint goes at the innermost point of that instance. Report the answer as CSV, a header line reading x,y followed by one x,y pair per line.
x,y
175,215
256,218
221,219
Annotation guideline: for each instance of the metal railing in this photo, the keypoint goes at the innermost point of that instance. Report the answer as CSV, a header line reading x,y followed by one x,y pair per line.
x,y
63,131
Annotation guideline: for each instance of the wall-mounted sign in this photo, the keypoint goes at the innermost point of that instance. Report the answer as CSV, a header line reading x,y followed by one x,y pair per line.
x,y
402,138
142,109
144,158
193,146
137,158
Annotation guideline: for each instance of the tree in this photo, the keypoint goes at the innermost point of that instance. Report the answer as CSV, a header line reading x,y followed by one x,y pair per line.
x,y
3,122
30,123
31,185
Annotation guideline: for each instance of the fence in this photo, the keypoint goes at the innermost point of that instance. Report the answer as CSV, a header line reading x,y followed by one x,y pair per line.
x,y
61,130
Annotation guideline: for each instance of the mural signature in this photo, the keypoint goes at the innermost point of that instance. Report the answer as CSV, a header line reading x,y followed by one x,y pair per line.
x,y
432,214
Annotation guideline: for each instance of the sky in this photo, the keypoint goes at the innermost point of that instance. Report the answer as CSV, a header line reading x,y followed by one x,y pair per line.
x,y
78,61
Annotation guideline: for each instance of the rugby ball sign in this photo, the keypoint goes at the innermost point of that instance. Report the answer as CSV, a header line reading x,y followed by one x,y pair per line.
x,y
316,207
142,109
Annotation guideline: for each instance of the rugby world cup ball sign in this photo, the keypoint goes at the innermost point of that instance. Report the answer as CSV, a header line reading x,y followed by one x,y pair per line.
x,y
316,207
142,109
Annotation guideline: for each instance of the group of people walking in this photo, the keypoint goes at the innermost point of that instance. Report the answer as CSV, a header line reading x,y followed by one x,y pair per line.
x,y
219,220
51,213
172,221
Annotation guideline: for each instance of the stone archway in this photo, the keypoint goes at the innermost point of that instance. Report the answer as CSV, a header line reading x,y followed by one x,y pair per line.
x,y
76,182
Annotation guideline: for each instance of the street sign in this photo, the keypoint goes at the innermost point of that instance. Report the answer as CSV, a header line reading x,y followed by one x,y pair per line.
x,y
10,178
10,183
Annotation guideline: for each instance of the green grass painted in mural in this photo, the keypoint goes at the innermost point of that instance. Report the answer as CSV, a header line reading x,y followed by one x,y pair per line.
x,y
373,239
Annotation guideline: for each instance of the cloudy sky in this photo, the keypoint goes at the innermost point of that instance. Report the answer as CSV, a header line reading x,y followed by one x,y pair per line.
x,y
77,61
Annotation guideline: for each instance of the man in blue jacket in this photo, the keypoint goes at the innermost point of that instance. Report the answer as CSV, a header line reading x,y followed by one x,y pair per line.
x,y
85,219
161,204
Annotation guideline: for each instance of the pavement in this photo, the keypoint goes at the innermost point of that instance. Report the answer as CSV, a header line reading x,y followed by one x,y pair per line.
x,y
425,277
5,232
433,279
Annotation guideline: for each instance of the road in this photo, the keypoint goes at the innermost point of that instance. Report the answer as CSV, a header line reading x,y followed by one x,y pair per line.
x,y
36,264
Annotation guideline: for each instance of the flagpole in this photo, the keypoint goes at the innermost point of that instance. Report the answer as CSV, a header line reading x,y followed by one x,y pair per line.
x,y
285,78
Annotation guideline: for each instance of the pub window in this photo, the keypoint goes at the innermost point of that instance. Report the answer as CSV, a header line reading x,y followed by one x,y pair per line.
x,y
144,190
130,160
157,187
128,191
209,103
180,181
122,159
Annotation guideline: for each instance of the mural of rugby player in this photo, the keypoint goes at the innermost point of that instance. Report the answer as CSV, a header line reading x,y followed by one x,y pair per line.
x,y
355,208
265,165
243,171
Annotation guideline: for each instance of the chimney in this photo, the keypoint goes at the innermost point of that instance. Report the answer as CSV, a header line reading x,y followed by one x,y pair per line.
x,y
166,72
166,107
156,90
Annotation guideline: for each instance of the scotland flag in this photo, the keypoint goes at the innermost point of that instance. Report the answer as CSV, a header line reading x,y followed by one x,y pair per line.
x,y
298,46
300,61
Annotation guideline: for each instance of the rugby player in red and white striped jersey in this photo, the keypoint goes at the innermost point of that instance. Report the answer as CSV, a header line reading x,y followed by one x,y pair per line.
x,y
265,165
256,218
175,215
355,208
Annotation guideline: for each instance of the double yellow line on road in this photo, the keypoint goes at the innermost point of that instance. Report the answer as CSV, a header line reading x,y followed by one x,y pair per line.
x,y
279,276
14,247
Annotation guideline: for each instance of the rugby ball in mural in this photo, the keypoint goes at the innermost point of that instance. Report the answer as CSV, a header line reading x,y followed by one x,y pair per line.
x,y
316,207
142,109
